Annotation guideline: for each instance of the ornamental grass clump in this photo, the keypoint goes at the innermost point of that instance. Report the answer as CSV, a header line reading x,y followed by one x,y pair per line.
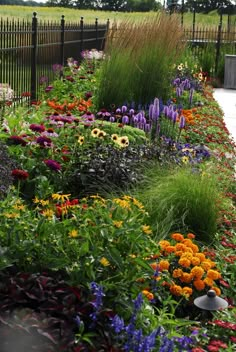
x,y
189,200
138,62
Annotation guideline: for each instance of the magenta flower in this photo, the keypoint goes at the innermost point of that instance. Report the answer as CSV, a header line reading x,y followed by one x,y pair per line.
x,y
37,128
53,165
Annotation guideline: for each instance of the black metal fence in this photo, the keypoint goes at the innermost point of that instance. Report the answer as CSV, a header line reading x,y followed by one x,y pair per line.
x,y
28,51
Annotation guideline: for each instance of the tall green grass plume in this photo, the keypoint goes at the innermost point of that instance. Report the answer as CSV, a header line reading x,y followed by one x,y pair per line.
x,y
180,200
139,58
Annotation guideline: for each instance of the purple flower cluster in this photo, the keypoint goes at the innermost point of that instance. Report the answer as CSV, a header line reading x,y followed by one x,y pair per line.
x,y
53,165
97,291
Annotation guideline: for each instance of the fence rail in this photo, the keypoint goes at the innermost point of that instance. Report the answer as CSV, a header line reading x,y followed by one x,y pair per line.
x,y
29,50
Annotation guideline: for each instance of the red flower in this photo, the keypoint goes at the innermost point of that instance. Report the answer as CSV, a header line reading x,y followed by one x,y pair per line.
x,y
20,174
26,94
17,140
197,349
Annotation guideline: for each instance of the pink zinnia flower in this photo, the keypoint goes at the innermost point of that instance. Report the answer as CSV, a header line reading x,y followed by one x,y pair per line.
x,y
53,165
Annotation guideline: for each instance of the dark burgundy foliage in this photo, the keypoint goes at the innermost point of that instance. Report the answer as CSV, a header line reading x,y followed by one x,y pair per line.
x,y
38,313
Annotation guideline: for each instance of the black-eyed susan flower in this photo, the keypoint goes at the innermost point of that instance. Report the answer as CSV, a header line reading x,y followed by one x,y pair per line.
x,y
123,141
114,137
81,140
60,197
101,134
95,132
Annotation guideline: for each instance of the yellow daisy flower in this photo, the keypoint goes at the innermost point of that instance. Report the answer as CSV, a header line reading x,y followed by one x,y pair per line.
x,y
61,197
104,261
73,233
48,213
146,229
117,224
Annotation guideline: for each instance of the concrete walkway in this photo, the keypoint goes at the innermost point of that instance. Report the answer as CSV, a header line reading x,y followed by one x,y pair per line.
x,y
226,99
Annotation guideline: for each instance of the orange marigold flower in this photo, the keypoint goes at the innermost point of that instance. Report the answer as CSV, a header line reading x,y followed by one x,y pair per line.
x,y
191,236
178,253
187,291
176,290
148,294
180,247
184,262
170,249
187,255
206,265
163,244
186,277
164,265
209,282
199,284
177,273
197,272
177,237
195,261
194,248
154,266
217,290
201,256
213,274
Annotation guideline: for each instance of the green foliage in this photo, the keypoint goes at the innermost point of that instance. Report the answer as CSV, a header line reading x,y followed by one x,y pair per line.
x,y
206,59
182,200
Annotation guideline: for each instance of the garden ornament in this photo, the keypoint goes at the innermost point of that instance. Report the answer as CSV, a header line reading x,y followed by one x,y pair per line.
x,y
210,301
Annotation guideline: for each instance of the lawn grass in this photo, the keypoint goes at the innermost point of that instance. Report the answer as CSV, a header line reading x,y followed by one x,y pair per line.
x,y
74,15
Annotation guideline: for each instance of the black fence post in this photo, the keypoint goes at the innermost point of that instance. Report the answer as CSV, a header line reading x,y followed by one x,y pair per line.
x,y
218,43
182,13
81,34
62,40
108,24
194,21
96,33
34,57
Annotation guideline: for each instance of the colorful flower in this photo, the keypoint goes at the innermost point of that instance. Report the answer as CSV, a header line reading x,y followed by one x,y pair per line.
x,y
20,174
53,165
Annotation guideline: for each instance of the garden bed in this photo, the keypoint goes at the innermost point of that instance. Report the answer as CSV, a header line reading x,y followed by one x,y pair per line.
x,y
115,219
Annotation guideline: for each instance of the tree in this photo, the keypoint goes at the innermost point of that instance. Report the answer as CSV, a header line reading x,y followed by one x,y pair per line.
x,y
207,5
141,5
113,5
85,4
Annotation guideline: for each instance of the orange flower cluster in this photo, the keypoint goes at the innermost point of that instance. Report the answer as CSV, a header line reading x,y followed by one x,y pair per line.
x,y
191,270
188,114
80,105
